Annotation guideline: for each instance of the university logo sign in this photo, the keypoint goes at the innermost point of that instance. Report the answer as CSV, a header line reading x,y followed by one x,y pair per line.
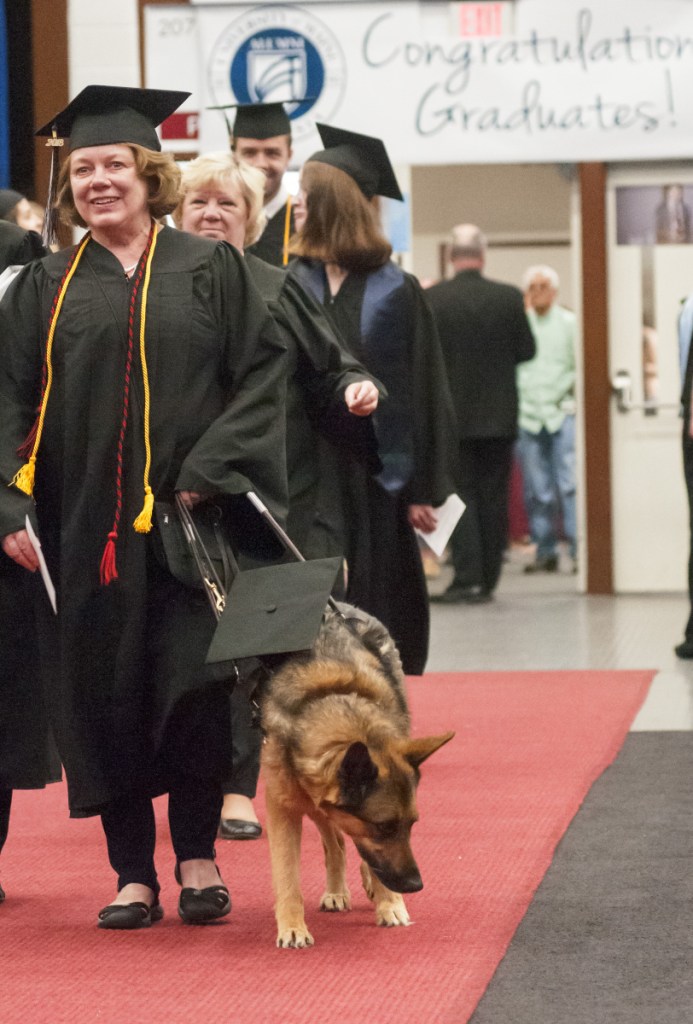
x,y
275,53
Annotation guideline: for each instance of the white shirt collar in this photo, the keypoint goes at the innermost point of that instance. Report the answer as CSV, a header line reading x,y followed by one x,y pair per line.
x,y
275,204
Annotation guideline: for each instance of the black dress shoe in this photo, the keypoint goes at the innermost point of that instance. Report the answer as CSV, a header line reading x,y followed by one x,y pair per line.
x,y
129,916
548,564
684,650
478,596
200,906
461,595
239,828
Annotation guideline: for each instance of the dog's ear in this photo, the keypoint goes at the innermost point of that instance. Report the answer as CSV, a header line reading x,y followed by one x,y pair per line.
x,y
416,751
357,775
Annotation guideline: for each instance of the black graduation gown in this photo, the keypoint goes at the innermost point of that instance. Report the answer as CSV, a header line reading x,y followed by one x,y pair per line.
x,y
386,323
27,756
18,247
270,246
319,371
129,692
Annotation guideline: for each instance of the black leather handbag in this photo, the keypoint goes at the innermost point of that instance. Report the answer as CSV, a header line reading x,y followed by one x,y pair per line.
x,y
174,552
271,610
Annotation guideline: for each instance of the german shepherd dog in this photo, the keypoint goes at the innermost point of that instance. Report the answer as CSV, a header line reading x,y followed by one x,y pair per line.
x,y
338,749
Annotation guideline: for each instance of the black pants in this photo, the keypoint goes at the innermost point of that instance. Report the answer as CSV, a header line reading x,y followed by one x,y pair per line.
x,y
194,807
5,804
481,536
246,745
688,475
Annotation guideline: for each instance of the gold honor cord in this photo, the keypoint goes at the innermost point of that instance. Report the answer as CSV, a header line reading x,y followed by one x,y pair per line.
x,y
24,477
287,232
143,522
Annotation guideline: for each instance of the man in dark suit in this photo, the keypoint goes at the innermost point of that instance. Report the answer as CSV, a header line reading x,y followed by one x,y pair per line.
x,y
484,334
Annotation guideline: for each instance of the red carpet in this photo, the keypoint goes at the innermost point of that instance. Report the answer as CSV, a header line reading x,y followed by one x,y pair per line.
x,y
494,803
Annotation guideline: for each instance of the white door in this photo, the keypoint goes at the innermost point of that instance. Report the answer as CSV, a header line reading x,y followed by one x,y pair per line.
x,y
650,268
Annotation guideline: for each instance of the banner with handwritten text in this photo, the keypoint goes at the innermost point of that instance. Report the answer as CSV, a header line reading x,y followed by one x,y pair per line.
x,y
540,80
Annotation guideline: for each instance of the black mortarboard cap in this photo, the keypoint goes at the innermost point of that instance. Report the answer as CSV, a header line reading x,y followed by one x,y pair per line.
x,y
8,200
102,115
277,609
362,157
259,120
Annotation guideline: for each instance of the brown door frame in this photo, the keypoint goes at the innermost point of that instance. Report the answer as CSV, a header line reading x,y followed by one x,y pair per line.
x,y
51,78
597,393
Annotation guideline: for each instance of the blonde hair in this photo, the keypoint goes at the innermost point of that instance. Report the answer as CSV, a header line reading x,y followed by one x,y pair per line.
x,y
222,169
158,170
341,226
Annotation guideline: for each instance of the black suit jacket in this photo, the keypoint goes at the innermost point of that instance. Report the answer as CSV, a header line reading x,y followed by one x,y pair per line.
x,y
270,245
484,334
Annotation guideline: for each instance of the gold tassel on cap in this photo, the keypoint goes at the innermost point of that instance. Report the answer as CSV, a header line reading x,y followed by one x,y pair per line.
x,y
50,222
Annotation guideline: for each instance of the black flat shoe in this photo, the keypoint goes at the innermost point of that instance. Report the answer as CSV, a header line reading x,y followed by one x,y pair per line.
x,y
200,906
129,916
239,828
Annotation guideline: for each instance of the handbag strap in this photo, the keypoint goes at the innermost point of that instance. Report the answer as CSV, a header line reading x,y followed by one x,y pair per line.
x,y
228,562
214,588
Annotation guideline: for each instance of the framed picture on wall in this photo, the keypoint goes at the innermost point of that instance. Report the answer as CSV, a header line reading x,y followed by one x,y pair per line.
x,y
654,214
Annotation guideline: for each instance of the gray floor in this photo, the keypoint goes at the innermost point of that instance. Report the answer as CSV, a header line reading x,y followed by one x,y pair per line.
x,y
542,623
607,937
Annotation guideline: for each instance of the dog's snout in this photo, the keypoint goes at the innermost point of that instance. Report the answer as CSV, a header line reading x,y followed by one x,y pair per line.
x,y
412,883
399,882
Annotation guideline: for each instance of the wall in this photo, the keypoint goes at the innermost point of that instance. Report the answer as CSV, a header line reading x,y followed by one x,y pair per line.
x,y
103,43
523,209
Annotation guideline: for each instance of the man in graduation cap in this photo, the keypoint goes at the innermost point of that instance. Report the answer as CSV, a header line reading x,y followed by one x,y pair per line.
x,y
156,371
262,137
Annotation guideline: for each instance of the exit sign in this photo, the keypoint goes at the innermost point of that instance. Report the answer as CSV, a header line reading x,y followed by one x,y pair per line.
x,y
472,19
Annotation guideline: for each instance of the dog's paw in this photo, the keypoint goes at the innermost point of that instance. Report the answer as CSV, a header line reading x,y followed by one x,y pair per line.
x,y
392,913
294,938
334,902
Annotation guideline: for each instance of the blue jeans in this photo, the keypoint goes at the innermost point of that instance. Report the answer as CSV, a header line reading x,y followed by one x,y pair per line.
x,y
548,470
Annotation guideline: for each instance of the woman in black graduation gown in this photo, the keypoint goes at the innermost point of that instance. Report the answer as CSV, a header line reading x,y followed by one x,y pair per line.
x,y
156,369
26,756
380,312
222,198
